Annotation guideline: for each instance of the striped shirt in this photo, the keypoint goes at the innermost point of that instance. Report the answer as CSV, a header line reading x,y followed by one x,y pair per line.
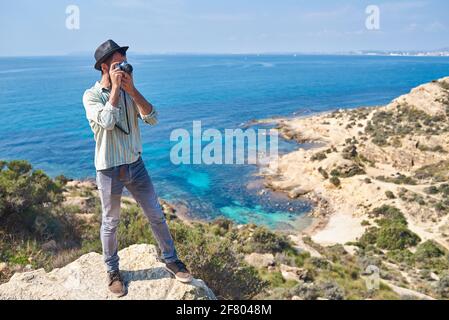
x,y
113,146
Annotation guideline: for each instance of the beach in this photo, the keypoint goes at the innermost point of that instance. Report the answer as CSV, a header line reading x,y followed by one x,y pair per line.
x,y
356,169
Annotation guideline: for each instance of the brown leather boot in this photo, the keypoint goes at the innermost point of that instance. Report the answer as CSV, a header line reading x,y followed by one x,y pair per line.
x,y
116,285
179,270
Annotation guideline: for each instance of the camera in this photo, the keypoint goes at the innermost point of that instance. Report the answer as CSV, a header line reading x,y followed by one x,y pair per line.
x,y
126,67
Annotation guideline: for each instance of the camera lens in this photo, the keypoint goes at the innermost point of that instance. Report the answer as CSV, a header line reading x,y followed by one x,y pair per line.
x,y
126,67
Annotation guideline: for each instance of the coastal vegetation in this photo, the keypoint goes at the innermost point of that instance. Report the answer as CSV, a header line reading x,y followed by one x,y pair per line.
x,y
404,120
425,262
47,223
378,179
381,191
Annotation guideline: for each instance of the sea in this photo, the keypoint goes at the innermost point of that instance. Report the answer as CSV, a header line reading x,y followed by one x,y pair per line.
x,y
43,118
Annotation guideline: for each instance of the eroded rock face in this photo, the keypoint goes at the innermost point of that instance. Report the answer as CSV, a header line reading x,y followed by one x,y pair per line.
x,y
430,97
260,260
85,279
296,274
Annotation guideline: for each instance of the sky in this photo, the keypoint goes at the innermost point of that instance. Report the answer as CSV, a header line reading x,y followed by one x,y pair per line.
x,y
31,28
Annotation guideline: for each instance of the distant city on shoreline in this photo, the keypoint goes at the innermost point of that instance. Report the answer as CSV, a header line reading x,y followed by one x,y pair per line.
x,y
390,53
436,53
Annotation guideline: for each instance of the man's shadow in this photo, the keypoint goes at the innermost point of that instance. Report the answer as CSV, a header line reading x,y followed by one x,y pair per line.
x,y
144,275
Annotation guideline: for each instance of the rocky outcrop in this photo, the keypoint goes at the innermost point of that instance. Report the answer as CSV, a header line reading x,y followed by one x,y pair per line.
x,y
85,279
296,274
259,260
431,97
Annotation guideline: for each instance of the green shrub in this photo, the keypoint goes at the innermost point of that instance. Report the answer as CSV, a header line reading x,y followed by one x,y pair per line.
x,y
320,263
266,241
306,291
283,258
443,287
335,173
331,290
444,189
25,195
390,195
301,258
440,207
444,84
347,171
428,250
396,236
399,179
388,214
369,237
335,181
61,180
30,206
221,226
134,227
380,139
323,173
393,233
437,148
224,224
215,261
319,156
274,278
437,172
350,152
402,256
351,171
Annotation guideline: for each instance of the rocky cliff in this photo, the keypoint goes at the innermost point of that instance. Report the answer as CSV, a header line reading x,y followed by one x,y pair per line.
x,y
85,279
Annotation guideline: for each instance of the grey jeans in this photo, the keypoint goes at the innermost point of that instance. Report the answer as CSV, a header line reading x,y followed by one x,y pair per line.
x,y
136,179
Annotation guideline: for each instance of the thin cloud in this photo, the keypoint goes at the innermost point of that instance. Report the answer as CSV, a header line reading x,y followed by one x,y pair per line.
x,y
404,5
436,26
341,11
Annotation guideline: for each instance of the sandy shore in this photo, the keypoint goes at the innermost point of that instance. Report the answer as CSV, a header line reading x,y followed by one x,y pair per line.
x,y
366,157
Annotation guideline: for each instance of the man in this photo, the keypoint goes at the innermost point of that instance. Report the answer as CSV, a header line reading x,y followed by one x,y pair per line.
x,y
113,106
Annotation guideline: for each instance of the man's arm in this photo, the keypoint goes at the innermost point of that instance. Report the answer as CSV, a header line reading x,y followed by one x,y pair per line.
x,y
146,110
105,115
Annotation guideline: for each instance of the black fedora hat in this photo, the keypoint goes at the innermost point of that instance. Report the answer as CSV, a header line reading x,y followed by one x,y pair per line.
x,y
105,50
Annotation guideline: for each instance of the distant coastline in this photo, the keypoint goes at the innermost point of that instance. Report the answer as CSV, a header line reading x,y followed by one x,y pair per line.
x,y
403,53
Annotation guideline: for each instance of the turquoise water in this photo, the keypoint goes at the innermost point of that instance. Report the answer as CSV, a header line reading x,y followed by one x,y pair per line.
x,y
44,120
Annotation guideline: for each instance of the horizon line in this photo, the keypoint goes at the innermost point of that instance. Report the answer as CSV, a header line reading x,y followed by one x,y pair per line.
x,y
349,52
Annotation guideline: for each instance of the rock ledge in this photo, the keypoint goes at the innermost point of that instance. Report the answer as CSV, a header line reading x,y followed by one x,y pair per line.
x,y
85,279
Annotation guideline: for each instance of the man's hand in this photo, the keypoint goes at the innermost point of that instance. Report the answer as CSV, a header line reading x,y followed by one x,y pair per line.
x,y
128,84
142,104
116,75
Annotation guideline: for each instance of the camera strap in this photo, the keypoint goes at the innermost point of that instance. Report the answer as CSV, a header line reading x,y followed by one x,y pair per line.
x,y
126,115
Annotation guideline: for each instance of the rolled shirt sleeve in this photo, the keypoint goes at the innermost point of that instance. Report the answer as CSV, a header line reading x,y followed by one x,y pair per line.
x,y
150,118
104,115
